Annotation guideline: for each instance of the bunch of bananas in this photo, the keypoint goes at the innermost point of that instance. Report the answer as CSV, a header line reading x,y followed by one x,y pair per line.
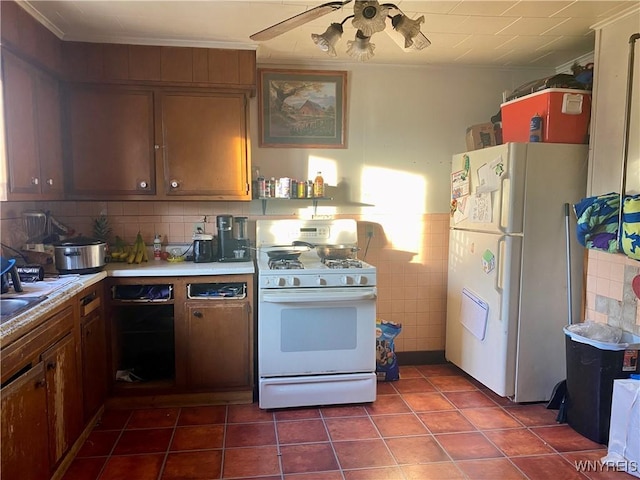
x,y
136,253
120,251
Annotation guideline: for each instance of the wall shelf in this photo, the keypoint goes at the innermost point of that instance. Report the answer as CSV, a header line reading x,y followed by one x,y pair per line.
x,y
314,202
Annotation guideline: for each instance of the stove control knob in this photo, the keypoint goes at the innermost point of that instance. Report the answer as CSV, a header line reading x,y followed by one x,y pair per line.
x,y
280,282
321,281
293,281
360,280
346,280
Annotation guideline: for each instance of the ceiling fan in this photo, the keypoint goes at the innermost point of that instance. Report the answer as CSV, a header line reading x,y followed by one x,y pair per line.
x,y
368,17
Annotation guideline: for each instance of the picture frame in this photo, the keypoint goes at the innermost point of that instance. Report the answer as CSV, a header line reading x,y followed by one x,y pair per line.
x,y
302,108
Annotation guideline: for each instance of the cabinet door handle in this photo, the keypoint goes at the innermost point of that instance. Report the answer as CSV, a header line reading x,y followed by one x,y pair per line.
x,y
143,184
51,365
50,182
198,314
35,181
174,184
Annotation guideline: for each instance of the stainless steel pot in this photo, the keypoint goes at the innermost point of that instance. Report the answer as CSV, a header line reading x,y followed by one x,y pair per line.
x,y
80,255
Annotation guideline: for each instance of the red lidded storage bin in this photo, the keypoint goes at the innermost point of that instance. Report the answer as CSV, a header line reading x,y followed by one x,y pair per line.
x,y
565,116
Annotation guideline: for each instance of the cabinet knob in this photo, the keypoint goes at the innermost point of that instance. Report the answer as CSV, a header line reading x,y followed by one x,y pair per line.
x,y
51,365
197,314
156,147
174,184
35,181
50,182
41,383
143,184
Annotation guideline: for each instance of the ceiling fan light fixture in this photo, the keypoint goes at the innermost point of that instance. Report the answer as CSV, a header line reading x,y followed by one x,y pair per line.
x,y
407,27
369,17
327,41
361,48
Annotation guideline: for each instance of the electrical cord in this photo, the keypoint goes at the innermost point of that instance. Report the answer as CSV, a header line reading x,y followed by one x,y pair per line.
x,y
16,251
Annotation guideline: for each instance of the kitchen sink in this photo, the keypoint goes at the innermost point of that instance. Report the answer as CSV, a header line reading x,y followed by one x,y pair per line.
x,y
12,306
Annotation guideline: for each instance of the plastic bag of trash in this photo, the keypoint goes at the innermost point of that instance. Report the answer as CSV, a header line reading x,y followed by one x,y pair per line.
x,y
600,332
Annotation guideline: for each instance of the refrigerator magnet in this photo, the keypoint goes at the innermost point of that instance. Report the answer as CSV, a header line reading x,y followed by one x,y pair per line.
x,y
488,261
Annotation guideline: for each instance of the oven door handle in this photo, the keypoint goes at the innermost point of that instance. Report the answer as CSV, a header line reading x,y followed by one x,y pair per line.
x,y
302,297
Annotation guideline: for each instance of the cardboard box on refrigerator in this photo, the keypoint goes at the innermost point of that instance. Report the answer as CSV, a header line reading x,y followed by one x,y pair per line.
x,y
480,136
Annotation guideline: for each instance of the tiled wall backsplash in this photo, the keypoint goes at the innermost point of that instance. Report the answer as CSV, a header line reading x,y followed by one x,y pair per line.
x,y
412,282
609,296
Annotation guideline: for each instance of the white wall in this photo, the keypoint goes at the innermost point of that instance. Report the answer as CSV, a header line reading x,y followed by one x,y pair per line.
x,y
404,125
607,120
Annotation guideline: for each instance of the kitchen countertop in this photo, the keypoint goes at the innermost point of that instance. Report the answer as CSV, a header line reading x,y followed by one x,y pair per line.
x,y
60,289
57,290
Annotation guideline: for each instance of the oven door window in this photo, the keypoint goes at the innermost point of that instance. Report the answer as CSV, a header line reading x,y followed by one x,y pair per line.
x,y
318,329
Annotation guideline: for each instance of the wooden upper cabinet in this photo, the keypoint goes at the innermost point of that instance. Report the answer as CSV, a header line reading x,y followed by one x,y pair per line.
x,y
101,62
111,143
33,143
26,36
204,145
49,137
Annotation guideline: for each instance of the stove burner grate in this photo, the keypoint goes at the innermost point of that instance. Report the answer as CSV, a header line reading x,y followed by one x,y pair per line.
x,y
342,263
285,264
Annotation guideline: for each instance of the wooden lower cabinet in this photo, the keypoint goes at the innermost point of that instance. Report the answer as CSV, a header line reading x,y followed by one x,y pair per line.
x,y
24,431
64,397
42,415
219,354
94,351
201,345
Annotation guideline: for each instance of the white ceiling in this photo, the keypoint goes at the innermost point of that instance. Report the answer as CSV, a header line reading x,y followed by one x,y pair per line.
x,y
545,33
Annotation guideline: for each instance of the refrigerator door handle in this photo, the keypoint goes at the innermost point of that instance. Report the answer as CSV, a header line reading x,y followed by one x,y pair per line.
x,y
505,195
501,255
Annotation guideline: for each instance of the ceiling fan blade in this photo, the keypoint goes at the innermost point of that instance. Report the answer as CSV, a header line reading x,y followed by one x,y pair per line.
x,y
420,41
300,19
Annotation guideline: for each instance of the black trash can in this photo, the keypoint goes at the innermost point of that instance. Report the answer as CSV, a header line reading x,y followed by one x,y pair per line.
x,y
592,366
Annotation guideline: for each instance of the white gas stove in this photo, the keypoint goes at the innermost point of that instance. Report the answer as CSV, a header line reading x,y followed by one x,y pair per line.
x,y
283,264
316,315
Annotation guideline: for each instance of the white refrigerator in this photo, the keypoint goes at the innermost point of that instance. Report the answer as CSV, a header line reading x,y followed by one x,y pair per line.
x,y
507,295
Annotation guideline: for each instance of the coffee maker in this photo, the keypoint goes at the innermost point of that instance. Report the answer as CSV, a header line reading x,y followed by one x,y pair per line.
x,y
226,243
233,240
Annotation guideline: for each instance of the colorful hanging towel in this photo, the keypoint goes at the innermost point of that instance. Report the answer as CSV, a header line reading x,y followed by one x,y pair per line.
x,y
597,222
630,231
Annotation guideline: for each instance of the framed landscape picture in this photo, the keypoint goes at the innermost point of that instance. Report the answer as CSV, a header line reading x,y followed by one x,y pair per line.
x,y
302,108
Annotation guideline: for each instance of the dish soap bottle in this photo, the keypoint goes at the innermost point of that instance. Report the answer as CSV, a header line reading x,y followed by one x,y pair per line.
x,y
157,247
318,185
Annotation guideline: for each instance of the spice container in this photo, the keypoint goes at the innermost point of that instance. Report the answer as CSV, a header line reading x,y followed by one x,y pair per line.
x,y
318,185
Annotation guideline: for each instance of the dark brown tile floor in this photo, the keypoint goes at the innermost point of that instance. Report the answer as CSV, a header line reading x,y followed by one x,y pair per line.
x,y
434,423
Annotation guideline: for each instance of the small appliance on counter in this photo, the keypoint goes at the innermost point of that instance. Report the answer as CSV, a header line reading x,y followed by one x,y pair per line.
x,y
81,255
203,248
232,239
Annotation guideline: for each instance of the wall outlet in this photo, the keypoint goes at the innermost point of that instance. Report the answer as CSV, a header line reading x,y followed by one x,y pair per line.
x,y
369,231
198,227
